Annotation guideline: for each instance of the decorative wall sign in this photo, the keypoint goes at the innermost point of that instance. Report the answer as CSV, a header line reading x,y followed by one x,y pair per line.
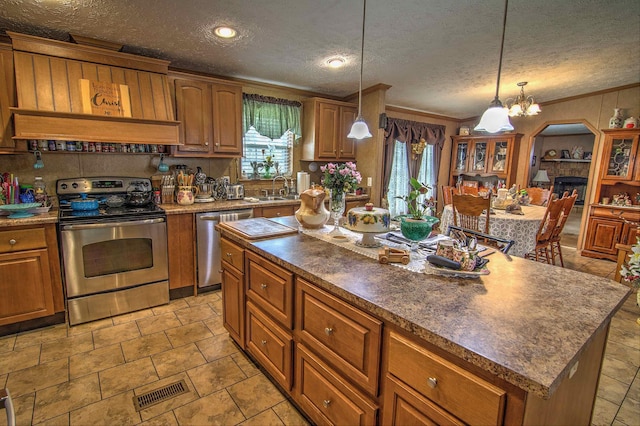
x,y
103,98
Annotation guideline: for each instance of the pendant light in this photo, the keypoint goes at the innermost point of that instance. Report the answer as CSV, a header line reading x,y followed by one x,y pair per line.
x,y
359,129
496,118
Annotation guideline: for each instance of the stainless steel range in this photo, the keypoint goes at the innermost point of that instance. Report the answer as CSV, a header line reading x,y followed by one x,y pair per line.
x,y
114,246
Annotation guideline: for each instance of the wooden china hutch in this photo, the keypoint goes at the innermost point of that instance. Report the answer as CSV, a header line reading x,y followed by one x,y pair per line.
x,y
487,159
611,221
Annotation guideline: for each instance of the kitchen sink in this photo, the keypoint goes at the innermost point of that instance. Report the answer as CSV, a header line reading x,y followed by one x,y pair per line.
x,y
279,198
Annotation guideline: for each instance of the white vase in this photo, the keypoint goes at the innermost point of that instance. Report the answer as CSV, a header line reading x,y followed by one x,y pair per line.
x,y
615,122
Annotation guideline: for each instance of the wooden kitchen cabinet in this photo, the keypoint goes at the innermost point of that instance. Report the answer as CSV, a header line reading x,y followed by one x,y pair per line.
x,y
445,389
210,113
233,300
275,211
7,98
31,284
181,254
607,227
325,129
485,158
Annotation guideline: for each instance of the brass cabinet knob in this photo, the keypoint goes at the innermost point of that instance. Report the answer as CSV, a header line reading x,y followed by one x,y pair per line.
x,y
12,242
263,286
328,331
326,403
263,342
432,382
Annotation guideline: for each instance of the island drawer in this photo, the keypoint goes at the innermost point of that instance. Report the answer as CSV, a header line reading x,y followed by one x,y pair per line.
x,y
271,288
325,397
346,337
22,239
463,394
232,254
271,345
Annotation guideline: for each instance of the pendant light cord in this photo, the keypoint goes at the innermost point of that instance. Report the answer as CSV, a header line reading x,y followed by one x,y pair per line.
x,y
504,26
364,13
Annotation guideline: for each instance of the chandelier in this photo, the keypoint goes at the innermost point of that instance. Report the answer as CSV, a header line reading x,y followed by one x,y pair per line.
x,y
523,105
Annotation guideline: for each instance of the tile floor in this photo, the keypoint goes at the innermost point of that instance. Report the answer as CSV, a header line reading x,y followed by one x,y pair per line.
x,y
89,374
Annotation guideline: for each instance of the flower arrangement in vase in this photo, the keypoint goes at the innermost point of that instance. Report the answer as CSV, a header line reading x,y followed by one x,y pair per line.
x,y
630,271
418,224
339,178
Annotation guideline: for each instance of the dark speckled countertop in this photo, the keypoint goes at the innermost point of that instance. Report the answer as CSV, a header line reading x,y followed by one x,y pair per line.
x,y
525,322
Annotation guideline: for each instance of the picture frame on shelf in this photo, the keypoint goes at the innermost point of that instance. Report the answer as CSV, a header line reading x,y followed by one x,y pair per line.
x,y
587,156
565,154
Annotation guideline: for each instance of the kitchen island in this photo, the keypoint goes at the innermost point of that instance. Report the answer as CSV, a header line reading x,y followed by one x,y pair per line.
x,y
521,345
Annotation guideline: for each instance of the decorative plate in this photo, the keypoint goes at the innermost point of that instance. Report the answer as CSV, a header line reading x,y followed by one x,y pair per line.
x,y
19,211
552,153
39,210
446,272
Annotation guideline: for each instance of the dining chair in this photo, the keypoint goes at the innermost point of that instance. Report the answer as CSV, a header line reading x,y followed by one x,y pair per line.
x,y
468,209
447,191
554,241
551,218
469,187
539,196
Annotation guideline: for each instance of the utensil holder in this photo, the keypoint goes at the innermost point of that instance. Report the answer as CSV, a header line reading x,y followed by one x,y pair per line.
x,y
168,194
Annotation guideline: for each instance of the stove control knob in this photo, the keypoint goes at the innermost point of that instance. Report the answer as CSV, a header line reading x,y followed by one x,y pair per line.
x,y
63,186
74,185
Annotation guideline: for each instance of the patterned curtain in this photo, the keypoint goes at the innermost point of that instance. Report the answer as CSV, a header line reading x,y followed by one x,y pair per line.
x,y
271,117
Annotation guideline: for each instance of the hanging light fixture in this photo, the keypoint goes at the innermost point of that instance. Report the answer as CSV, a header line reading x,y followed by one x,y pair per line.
x,y
522,104
495,118
359,129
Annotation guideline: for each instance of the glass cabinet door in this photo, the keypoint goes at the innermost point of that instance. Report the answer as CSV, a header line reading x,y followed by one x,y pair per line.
x,y
620,159
480,152
462,152
499,159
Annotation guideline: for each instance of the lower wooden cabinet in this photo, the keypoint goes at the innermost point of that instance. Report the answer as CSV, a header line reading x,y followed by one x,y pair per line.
x,y
452,389
275,211
233,303
608,227
271,345
31,284
181,250
326,397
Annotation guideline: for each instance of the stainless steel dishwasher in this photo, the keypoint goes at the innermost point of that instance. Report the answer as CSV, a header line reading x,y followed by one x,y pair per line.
x,y
208,241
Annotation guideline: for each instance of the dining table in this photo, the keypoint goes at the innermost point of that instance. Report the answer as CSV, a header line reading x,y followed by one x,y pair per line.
x,y
522,228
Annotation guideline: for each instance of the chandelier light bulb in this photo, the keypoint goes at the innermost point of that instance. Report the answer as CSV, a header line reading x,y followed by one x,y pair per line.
x,y
522,105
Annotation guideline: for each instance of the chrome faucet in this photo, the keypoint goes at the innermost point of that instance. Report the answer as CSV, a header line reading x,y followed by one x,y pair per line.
x,y
273,185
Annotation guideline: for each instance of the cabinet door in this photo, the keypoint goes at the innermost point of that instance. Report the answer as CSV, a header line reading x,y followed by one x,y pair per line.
x,y
181,250
26,286
278,211
499,157
461,151
480,156
7,89
193,110
620,157
405,406
603,235
227,119
327,129
630,234
347,146
233,304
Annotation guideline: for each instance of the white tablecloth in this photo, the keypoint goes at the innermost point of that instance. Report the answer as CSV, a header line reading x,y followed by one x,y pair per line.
x,y
520,228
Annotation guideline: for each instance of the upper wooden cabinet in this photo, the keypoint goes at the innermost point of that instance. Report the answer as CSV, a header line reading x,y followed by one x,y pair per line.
x,y
619,157
326,124
485,156
7,98
51,103
210,115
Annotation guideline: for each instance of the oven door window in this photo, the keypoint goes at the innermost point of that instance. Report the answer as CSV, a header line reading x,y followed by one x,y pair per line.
x,y
117,256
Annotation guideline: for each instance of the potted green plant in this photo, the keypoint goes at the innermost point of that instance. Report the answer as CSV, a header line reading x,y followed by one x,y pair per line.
x,y
418,224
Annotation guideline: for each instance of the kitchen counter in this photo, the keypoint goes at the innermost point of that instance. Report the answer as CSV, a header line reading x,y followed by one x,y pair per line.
x,y
526,323
50,217
237,205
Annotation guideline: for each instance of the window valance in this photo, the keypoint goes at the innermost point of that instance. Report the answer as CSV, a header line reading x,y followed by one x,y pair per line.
x,y
270,116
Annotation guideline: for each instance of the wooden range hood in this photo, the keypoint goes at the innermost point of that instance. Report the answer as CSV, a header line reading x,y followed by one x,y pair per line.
x,y
50,99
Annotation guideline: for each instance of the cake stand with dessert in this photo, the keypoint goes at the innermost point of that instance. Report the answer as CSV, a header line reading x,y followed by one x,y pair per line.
x,y
368,221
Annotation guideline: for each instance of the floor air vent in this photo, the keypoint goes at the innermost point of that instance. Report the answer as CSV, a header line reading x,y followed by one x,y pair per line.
x,y
156,396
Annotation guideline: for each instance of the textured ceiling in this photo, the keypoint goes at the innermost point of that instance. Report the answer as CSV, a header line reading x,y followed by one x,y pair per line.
x,y
439,56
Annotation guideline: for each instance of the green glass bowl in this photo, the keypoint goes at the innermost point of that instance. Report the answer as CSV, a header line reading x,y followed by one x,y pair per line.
x,y
417,230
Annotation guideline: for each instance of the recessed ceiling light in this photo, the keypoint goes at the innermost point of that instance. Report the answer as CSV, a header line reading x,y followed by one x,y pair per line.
x,y
225,32
336,62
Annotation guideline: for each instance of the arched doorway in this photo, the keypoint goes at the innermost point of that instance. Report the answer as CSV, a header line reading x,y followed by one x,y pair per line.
x,y
565,152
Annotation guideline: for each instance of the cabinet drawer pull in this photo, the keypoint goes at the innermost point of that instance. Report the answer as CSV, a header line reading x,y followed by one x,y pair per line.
x,y
432,382
326,403
263,342
12,242
229,254
263,286
328,331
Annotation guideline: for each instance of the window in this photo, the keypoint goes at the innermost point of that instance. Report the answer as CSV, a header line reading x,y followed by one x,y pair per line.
x,y
257,147
399,179
270,128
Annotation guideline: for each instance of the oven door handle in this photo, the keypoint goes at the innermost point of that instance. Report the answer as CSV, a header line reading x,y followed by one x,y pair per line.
x,y
111,224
